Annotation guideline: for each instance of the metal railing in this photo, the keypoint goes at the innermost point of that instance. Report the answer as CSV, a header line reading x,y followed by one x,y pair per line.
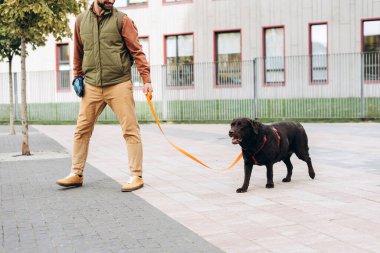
x,y
371,66
331,86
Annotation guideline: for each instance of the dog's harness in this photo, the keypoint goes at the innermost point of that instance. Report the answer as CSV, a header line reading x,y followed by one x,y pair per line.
x,y
262,146
278,136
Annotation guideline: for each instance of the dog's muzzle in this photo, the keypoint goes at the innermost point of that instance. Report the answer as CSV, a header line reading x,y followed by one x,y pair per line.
x,y
235,140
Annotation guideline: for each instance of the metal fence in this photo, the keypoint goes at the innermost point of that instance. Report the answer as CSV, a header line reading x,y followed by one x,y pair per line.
x,y
297,87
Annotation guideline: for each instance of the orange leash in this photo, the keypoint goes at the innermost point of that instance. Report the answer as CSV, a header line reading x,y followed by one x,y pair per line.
x,y
149,99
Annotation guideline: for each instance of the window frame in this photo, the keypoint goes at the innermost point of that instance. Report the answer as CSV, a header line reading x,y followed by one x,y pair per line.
x,y
134,6
367,81
176,2
311,54
282,83
216,83
59,88
165,60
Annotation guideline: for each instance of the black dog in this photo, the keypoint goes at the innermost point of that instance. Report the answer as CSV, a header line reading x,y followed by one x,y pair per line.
x,y
267,144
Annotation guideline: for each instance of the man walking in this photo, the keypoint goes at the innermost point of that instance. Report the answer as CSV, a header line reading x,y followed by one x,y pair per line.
x,y
105,46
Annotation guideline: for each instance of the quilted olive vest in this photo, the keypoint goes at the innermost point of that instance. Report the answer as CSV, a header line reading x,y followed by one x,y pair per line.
x,y
105,59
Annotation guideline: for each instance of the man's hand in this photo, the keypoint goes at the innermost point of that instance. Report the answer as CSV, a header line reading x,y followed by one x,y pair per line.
x,y
147,88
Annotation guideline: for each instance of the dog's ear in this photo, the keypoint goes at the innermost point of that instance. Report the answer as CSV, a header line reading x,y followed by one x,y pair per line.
x,y
255,126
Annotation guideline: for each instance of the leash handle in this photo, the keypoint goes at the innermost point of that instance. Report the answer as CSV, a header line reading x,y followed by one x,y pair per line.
x,y
149,100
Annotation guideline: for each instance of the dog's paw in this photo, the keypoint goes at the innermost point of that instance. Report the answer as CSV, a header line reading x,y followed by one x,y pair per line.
x,y
312,174
286,180
241,190
269,185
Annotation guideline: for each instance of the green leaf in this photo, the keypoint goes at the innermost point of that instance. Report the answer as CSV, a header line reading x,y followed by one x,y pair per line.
x,y
37,19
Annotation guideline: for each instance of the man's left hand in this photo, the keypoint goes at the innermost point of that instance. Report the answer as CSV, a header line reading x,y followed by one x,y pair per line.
x,y
147,88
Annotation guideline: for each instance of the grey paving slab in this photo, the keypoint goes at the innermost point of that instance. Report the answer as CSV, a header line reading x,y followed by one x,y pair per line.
x,y
5,129
39,216
37,141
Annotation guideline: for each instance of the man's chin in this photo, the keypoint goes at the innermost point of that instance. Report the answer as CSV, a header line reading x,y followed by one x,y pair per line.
x,y
105,7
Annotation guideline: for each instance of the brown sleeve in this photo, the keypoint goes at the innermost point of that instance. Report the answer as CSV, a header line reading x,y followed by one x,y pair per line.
x,y
78,51
130,36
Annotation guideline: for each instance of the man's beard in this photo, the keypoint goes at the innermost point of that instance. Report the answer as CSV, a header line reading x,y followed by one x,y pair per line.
x,y
105,6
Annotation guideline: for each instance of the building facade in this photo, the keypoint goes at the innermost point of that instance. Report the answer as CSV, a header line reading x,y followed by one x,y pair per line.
x,y
201,50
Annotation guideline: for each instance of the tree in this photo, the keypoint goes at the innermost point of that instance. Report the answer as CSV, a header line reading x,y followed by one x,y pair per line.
x,y
32,21
9,46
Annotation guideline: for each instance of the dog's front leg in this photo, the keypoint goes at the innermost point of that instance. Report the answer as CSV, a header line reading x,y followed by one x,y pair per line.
x,y
248,165
270,183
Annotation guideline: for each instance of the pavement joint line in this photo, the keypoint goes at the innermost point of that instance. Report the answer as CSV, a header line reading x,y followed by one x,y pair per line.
x,y
37,155
19,134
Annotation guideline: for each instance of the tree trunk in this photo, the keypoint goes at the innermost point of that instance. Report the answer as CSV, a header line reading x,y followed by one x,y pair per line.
x,y
11,104
24,110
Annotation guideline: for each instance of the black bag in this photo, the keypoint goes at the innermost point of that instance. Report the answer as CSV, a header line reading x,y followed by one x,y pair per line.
x,y
78,86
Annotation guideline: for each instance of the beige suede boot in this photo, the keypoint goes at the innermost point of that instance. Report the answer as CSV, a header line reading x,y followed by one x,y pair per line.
x,y
134,183
71,181
79,156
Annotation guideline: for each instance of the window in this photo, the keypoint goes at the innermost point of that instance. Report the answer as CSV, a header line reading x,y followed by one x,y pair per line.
x,y
130,3
274,52
371,49
179,60
136,78
228,58
63,67
318,52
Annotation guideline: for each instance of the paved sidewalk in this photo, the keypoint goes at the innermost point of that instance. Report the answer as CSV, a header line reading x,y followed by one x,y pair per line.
x,y
338,211
36,215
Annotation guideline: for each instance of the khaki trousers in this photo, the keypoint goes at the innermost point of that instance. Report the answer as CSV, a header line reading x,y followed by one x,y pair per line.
x,y
120,98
